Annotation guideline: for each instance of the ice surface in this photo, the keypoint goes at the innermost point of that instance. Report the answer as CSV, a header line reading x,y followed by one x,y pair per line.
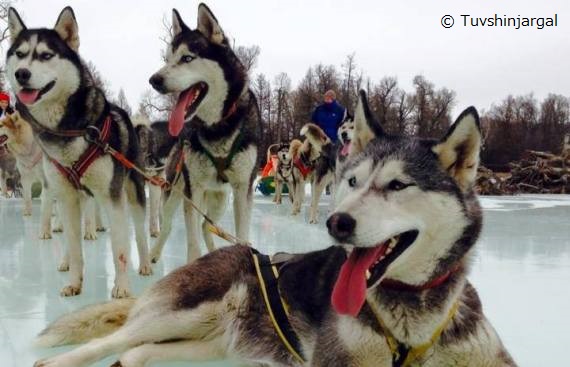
x,y
521,271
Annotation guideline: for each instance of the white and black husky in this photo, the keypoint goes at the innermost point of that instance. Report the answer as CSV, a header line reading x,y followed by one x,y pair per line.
x,y
220,152
396,293
57,97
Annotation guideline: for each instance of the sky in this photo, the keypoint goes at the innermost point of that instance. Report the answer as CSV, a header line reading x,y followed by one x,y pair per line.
x,y
390,38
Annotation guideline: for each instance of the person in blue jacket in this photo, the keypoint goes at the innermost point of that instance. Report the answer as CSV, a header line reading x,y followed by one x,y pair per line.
x,y
329,115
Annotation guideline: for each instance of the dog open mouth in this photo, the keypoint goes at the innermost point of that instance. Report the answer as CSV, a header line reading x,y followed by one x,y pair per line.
x,y
188,102
363,268
345,147
30,96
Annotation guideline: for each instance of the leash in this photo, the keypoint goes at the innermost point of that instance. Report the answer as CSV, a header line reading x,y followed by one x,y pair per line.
x,y
214,228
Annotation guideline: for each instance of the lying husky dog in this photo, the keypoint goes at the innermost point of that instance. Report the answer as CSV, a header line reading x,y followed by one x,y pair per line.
x,y
220,151
156,144
317,163
56,95
408,218
22,145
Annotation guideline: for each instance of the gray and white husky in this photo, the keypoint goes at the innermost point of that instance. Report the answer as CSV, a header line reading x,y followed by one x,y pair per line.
x,y
220,151
396,293
56,95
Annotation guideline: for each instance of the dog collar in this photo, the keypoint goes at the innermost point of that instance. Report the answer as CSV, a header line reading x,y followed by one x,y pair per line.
x,y
401,286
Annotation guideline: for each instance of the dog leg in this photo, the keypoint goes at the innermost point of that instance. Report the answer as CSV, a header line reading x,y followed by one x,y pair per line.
x,y
99,226
316,192
27,182
299,197
45,213
137,204
119,242
278,191
71,215
58,225
172,203
187,350
217,202
89,219
193,219
243,201
155,193
3,185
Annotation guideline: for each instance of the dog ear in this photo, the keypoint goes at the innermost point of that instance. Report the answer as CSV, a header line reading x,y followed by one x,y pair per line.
x,y
208,25
458,151
366,127
66,27
178,24
15,24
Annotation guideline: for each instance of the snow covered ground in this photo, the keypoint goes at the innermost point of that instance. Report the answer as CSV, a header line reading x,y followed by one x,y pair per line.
x,y
521,271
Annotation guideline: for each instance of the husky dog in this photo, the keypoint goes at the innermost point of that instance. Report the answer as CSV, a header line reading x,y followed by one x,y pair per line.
x,y
22,145
9,178
220,151
396,293
57,96
284,171
156,144
317,158
345,135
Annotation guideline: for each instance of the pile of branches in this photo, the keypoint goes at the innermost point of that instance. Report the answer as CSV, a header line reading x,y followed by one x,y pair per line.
x,y
490,183
541,173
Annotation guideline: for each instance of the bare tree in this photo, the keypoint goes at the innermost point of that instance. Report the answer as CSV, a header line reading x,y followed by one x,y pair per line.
x,y
248,55
122,102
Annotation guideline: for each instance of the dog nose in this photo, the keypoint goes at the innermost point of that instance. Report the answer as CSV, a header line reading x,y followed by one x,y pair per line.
x,y
344,135
341,226
23,76
156,81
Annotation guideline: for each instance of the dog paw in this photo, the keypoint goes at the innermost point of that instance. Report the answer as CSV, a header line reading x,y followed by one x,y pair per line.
x,y
145,269
154,256
63,266
57,229
45,235
117,364
154,232
27,213
90,236
101,229
120,292
70,291
58,361
313,221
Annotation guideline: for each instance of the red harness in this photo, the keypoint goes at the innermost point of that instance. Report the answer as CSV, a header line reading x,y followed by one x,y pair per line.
x,y
94,151
302,168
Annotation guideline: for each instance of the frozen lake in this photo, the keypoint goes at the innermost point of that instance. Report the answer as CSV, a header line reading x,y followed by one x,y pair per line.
x,y
521,271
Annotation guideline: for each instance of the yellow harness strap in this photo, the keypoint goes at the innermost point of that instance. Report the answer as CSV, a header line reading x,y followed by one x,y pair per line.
x,y
419,351
272,316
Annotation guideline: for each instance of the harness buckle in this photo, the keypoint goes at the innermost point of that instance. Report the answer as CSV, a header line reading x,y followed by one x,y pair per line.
x,y
93,134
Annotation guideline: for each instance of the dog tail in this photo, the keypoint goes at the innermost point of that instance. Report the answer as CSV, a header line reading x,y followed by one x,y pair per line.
x,y
315,135
295,147
88,323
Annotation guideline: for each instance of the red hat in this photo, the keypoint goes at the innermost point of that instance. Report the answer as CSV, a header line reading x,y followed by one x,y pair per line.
x,y
4,97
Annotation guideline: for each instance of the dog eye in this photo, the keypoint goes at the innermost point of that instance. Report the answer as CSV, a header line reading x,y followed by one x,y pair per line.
x,y
186,58
396,185
20,54
45,56
352,181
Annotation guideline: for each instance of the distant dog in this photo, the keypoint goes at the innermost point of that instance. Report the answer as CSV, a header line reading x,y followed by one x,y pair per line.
x,y
28,154
156,144
9,177
283,172
72,119
395,294
317,162
219,153
345,135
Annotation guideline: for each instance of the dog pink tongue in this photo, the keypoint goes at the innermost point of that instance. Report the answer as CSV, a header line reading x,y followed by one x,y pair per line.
x,y
345,149
28,96
176,121
349,292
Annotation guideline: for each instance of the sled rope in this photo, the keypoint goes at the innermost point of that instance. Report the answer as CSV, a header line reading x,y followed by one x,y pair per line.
x,y
165,185
404,355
